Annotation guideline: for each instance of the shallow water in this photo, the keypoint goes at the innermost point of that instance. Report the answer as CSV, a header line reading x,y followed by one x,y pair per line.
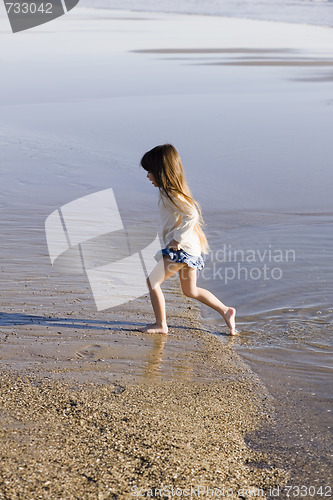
x,y
286,328
276,266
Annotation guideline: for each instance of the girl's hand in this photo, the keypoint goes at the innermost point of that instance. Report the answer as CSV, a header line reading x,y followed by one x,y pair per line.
x,y
174,245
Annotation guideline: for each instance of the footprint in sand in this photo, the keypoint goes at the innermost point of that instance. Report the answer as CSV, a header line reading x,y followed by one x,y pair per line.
x,y
89,352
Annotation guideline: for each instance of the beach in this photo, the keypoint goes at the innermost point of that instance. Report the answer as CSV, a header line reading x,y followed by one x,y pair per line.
x,y
170,414
90,407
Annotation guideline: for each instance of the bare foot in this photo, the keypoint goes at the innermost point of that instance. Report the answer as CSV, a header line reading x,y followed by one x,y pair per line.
x,y
229,318
154,328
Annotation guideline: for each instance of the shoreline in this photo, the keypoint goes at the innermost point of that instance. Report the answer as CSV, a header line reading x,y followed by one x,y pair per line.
x,y
64,437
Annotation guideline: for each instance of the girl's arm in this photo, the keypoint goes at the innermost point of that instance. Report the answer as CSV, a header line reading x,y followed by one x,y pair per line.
x,y
189,217
174,245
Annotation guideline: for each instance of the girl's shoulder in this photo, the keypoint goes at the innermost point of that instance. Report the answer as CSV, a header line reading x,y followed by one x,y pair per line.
x,y
171,197
176,201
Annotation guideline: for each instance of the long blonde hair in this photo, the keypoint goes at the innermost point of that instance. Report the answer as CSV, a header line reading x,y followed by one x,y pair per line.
x,y
165,164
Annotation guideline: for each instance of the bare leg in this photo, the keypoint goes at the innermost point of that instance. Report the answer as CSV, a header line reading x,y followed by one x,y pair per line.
x,y
188,278
157,298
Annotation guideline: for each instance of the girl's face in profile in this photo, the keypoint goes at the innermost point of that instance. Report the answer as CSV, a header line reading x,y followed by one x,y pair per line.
x,y
151,178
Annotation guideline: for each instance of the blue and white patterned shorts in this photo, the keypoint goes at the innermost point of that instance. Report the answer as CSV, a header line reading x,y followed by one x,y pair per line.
x,y
182,256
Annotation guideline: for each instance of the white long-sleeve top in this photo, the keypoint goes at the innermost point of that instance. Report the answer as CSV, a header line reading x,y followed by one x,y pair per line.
x,y
178,223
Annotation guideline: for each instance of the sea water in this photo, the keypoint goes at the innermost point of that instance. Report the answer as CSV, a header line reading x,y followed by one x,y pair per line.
x,y
293,11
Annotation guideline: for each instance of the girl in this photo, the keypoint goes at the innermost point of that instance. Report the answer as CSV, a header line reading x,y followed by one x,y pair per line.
x,y
182,235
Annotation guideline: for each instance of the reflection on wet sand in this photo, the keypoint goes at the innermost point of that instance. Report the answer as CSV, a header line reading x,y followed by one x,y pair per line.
x,y
154,358
252,57
87,349
215,51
